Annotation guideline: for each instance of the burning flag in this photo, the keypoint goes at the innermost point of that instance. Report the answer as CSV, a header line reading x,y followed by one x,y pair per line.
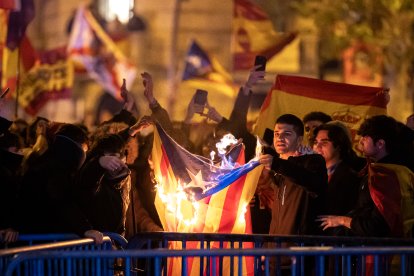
x,y
195,195
91,47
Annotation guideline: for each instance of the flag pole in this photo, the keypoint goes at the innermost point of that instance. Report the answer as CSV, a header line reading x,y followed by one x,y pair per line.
x,y
172,67
16,107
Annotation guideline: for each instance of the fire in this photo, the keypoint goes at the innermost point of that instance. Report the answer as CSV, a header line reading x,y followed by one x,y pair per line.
x,y
175,202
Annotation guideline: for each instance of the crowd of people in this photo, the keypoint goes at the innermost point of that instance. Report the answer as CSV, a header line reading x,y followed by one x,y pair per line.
x,y
58,177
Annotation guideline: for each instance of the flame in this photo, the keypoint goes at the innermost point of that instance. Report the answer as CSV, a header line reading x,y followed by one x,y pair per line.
x,y
174,202
226,141
259,147
242,216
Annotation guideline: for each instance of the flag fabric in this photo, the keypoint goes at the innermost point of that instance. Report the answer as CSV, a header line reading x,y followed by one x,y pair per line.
x,y
391,188
19,60
9,4
18,22
224,211
49,79
254,34
90,46
202,70
349,104
15,49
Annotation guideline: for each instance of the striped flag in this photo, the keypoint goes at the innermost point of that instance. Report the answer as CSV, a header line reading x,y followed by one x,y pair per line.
x,y
205,72
91,47
391,188
347,103
254,34
180,175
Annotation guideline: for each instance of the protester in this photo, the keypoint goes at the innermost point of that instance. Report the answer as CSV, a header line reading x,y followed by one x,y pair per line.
x,y
333,143
313,120
375,214
299,182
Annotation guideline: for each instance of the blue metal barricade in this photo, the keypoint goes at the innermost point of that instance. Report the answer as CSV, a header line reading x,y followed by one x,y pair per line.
x,y
7,255
38,263
234,241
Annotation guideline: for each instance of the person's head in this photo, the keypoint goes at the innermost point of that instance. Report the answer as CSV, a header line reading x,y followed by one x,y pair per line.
x,y
313,120
31,133
333,143
111,144
288,135
378,136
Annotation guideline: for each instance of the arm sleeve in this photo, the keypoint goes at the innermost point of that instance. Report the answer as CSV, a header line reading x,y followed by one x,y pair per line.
x,y
308,171
370,224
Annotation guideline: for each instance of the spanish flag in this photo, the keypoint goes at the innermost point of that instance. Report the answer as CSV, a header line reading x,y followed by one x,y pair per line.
x,y
254,34
185,203
347,103
391,187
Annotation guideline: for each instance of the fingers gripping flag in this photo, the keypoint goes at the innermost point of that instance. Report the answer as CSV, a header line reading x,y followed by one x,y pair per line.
x,y
223,196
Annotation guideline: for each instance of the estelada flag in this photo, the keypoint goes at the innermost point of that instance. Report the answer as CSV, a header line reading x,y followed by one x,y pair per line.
x,y
391,188
181,176
90,46
349,104
254,34
202,70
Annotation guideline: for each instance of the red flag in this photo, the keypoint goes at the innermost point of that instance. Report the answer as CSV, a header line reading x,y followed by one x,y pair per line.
x,y
254,34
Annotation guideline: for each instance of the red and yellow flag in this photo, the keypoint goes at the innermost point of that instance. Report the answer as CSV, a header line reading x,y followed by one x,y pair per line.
x,y
391,188
349,104
254,34
224,211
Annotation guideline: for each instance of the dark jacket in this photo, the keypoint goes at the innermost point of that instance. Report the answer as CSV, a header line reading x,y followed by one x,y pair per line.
x,y
46,199
100,196
300,185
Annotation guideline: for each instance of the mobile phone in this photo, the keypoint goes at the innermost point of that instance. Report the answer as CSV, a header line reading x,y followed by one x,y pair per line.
x,y
260,60
200,100
4,93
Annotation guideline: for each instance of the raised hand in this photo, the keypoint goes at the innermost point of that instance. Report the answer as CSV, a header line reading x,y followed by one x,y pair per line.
x,y
148,87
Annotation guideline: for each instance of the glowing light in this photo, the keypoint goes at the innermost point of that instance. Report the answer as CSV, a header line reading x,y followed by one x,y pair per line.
x,y
120,9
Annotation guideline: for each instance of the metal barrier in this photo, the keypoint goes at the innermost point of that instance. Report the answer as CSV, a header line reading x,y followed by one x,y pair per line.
x,y
235,241
7,255
70,261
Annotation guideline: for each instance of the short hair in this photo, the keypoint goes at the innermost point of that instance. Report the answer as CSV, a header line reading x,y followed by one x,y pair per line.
x,y
317,116
73,132
291,119
339,137
380,127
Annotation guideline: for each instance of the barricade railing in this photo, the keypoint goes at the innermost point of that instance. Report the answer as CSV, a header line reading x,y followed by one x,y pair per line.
x,y
230,241
317,256
87,244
